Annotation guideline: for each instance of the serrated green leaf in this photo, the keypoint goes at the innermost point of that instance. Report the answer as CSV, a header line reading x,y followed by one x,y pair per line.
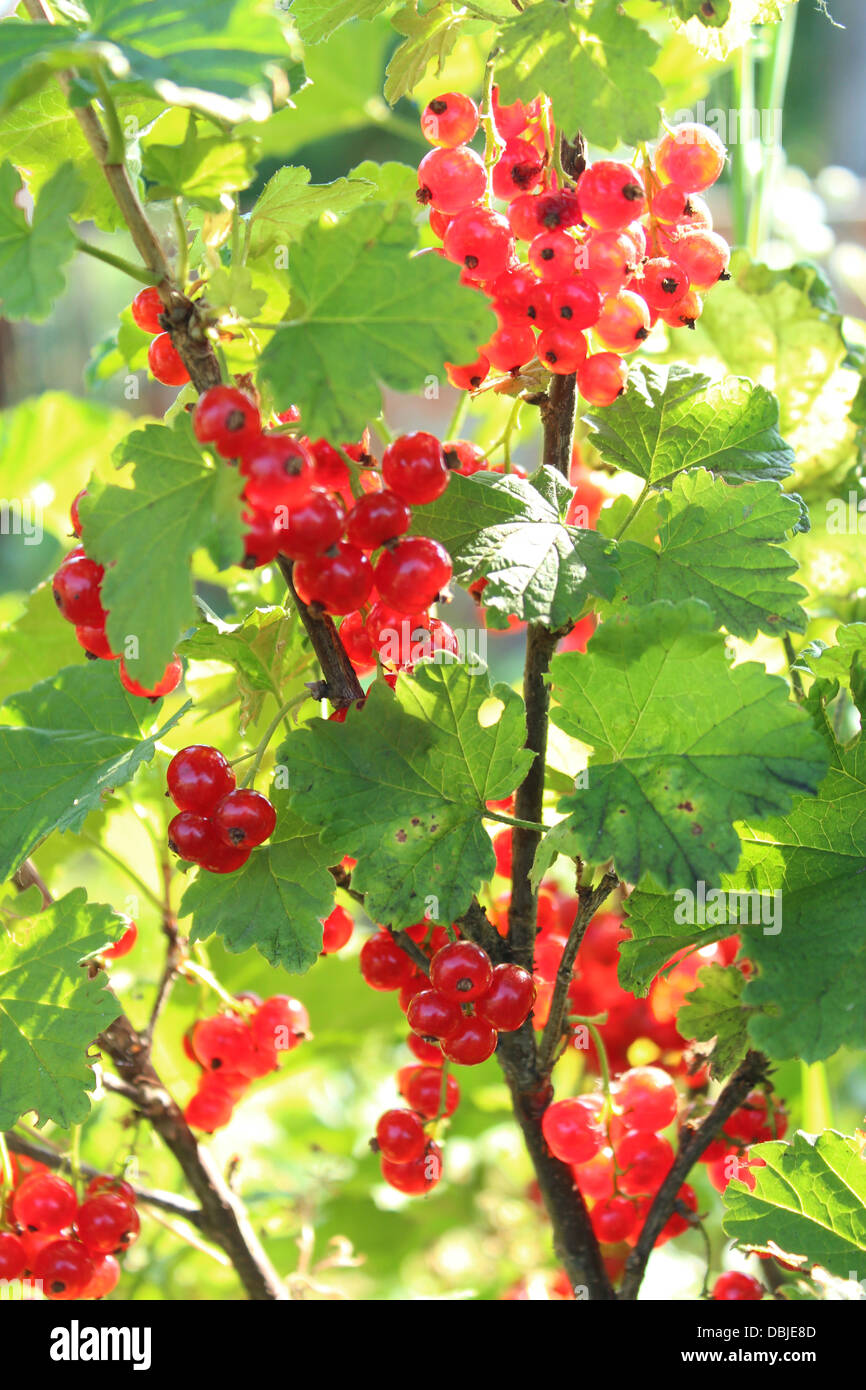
x,y
428,37
319,19
178,502
503,529
265,650
391,182
51,1010
275,902
405,780
714,1012
673,418
809,1200
364,314
685,744
201,167
32,51
720,544
288,203
231,287
77,736
594,65
36,646
34,255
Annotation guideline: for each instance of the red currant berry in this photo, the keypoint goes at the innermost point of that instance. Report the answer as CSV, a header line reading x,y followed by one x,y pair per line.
x,y
413,574
337,931
480,241
735,1286
123,945
245,818
602,377
613,1219
472,1042
224,1042
611,195
191,836
704,257
595,1177
645,1160
461,971
209,1109
95,642
106,1183
312,527
76,587
330,469
165,362
611,258
670,204
624,322
340,579
221,858
13,1256
377,517
685,313
451,179
417,1177
517,170
280,1024
146,308
63,1268
462,456
44,1204
263,537
508,998
561,350
511,347
356,640
228,419
428,643
105,1277
383,964
107,1223
449,120
413,467
662,283
278,472
400,1136
424,1050
198,777
676,1224
752,1122
510,120
439,223
572,1128
574,303
168,681
431,1015
692,156
646,1098
469,376
552,255
424,1092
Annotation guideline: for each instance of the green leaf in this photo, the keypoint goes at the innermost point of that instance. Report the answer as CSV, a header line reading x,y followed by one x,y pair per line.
x,y
714,1012
288,203
77,737
275,902
720,544
265,651
51,1010
713,15
36,646
673,418
365,315
595,66
404,783
503,529
428,37
31,52
391,182
685,744
178,502
809,1200
201,167
319,19
33,255
231,287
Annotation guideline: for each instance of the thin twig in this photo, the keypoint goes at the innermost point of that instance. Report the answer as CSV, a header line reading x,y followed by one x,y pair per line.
x,y
590,900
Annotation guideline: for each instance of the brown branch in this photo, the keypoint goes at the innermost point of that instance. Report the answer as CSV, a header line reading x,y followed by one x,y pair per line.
x,y
751,1071
341,684
590,900
558,416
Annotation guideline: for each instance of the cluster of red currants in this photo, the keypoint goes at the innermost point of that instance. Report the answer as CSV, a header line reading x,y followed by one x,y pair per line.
x,y
233,1050
611,253
218,824
53,1241
456,1013
77,588
163,357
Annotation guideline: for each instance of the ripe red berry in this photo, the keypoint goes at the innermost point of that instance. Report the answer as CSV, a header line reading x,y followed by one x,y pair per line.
x,y
198,777
263,537
337,931
312,527
510,120
676,1224
418,1176
383,964
624,322
377,517
280,1024
480,240
611,195
692,156
685,313
411,576
613,1219
76,587
469,376
244,818
572,1128
424,1050
400,1136
107,1223
662,282
510,347
670,204
645,1098
224,1042
431,1015
123,945
461,971
95,642
644,1159
508,998
226,417
610,259
219,857
64,1269
104,1279
602,377
165,362
471,1043
574,303
356,640
561,350
44,1204
209,1109
451,179
340,579
450,119
517,170
330,469
146,308
424,1092
552,255
413,467
278,471
191,836
13,1255
753,1122
735,1286
595,1177
704,256
168,681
